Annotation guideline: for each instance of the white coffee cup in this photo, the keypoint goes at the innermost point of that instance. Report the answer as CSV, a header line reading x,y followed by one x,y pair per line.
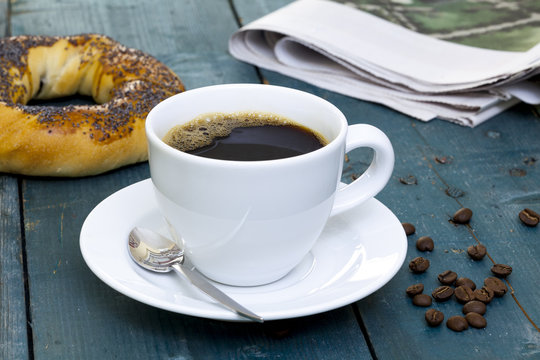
x,y
249,223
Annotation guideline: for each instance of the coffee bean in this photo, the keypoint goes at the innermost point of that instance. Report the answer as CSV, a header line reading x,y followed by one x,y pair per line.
x,y
501,270
457,323
425,243
422,300
444,159
474,306
477,252
409,180
463,281
462,216
497,285
529,217
419,265
415,289
409,228
484,295
463,294
476,320
442,293
447,277
434,317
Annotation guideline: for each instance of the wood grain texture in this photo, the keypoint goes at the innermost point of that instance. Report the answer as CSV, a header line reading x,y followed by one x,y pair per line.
x,y
13,334
76,316
4,18
429,207
480,165
13,338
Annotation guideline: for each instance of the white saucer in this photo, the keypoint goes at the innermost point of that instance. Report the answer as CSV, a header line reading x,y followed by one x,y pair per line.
x,y
358,252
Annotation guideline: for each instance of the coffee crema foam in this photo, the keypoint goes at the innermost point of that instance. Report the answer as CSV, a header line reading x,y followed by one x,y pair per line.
x,y
205,128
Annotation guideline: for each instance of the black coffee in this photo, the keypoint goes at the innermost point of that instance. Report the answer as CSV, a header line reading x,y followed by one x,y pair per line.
x,y
244,136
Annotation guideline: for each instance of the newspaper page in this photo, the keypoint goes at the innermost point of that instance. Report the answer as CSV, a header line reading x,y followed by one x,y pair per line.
x,y
337,46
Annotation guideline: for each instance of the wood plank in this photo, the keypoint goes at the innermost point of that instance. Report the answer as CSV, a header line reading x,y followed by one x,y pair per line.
x,y
480,167
4,18
428,206
13,337
178,34
74,314
497,168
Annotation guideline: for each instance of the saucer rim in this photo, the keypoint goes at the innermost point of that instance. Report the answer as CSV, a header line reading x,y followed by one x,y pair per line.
x,y
209,309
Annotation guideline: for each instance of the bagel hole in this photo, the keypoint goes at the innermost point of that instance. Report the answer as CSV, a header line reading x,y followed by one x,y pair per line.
x,y
76,99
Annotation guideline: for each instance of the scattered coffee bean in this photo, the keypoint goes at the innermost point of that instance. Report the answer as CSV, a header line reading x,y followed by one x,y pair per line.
x,y
425,243
409,228
415,289
476,320
444,159
419,265
477,252
409,180
457,323
463,294
501,270
474,306
497,285
529,217
442,293
462,216
447,277
484,295
463,281
422,300
434,317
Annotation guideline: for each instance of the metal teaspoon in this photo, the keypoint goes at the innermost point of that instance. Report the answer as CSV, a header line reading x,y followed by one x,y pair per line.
x,y
154,252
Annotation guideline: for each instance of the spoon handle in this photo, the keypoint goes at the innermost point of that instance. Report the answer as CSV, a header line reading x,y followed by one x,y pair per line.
x,y
205,286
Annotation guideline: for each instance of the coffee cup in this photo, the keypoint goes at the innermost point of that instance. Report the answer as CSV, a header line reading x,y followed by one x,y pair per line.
x,y
248,223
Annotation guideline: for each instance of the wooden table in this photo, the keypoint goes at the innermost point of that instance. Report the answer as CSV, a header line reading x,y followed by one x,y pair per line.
x,y
53,307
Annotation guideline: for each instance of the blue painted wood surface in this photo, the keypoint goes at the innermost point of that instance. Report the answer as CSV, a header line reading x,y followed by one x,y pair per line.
x,y
71,314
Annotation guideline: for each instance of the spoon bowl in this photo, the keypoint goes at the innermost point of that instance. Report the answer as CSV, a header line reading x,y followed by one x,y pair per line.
x,y
155,252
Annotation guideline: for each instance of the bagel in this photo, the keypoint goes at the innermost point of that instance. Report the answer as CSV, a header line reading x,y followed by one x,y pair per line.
x,y
76,140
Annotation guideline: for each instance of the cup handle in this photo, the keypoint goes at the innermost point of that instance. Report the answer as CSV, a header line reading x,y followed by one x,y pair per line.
x,y
373,180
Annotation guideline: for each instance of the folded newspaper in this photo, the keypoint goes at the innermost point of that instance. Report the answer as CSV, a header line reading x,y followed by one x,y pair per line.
x,y
339,47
